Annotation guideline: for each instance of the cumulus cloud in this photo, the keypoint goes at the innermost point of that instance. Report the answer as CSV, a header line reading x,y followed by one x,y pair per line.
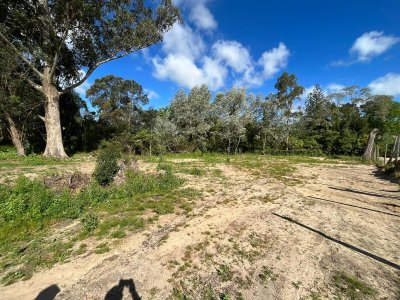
x,y
181,40
274,60
386,85
189,61
372,44
366,47
201,16
233,54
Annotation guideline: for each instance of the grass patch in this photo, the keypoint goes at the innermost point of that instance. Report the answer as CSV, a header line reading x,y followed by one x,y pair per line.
x,y
349,287
29,210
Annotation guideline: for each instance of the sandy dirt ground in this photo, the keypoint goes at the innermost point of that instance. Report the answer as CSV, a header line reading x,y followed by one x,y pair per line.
x,y
249,237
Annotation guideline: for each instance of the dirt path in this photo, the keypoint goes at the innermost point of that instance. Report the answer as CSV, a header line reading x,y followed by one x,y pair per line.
x,y
251,237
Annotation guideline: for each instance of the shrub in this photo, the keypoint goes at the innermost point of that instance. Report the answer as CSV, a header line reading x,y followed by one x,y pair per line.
x,y
90,222
107,164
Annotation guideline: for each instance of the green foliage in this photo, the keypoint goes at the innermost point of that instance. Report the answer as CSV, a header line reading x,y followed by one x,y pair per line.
x,y
90,222
29,208
351,287
107,164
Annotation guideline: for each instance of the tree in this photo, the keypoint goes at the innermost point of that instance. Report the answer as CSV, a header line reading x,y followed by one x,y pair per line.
x,y
191,113
19,102
233,111
117,100
59,40
288,92
317,119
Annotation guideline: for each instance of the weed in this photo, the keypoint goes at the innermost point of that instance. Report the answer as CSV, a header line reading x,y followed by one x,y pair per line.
x,y
102,248
118,234
224,273
351,287
90,222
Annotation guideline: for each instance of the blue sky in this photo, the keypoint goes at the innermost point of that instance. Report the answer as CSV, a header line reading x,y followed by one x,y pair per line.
x,y
225,43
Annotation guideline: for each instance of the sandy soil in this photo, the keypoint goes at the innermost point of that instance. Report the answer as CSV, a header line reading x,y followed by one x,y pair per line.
x,y
250,237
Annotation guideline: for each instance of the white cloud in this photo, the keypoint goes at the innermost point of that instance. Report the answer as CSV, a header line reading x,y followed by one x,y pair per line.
x,y
178,68
189,61
232,54
274,60
198,13
181,40
372,44
366,47
202,17
386,85
333,88
151,94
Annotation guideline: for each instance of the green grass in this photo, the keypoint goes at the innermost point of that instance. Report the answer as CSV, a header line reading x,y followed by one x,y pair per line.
x,y
350,287
28,211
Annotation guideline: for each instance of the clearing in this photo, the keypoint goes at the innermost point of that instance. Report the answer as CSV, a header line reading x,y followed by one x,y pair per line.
x,y
258,228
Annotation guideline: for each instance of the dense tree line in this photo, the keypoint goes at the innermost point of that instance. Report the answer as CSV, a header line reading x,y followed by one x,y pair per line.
x,y
232,121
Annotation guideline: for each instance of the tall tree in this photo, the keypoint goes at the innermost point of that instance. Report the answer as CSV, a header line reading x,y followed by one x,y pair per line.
x,y
288,92
317,119
192,115
19,102
59,41
233,111
117,100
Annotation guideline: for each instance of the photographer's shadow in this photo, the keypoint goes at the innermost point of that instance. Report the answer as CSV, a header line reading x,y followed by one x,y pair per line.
x,y
116,292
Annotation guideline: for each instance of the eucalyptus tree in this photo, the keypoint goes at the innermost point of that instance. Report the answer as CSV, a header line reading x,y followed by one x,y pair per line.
x,y
117,101
19,102
192,115
61,43
288,92
233,111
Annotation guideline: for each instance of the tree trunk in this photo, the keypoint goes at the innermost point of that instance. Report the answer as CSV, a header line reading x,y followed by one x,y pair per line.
x,y
370,146
16,136
54,143
394,149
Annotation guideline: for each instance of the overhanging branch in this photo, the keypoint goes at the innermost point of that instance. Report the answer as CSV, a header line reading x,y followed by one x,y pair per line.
x,y
32,67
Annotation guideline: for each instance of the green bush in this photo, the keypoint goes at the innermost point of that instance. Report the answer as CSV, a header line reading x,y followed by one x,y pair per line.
x,y
107,164
90,222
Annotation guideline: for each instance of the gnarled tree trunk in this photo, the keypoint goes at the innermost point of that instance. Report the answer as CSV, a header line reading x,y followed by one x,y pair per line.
x,y
370,146
16,136
54,143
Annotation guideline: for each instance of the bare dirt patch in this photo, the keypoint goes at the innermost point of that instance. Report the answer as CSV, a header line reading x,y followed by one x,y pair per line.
x,y
335,233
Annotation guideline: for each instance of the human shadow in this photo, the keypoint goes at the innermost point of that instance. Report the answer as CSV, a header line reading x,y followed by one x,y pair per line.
x,y
116,292
347,245
48,293
360,207
363,193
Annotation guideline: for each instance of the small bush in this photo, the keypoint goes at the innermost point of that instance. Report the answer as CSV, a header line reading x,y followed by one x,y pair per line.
x,y
90,222
107,164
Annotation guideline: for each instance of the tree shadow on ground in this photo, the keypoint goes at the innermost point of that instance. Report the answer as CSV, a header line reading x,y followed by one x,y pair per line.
x,y
349,246
380,173
363,193
360,207
116,292
49,293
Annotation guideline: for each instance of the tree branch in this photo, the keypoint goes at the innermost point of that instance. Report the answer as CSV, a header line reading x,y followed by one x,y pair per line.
x,y
42,118
20,54
35,86
92,70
